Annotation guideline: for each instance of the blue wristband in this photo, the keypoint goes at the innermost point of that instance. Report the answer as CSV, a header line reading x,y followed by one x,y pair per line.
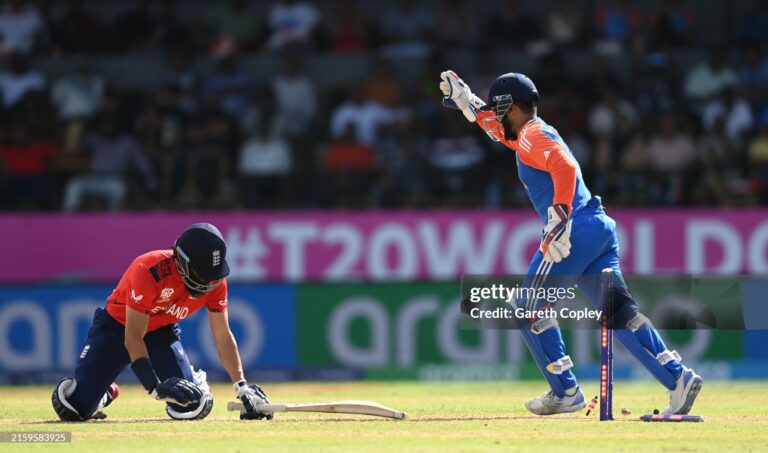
x,y
143,369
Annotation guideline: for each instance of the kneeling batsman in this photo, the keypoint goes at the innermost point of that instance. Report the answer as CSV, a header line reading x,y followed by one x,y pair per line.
x,y
140,327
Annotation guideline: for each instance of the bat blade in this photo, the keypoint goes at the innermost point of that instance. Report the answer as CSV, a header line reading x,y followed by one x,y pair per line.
x,y
333,407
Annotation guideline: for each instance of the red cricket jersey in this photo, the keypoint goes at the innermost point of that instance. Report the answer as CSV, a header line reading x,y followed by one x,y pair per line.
x,y
152,285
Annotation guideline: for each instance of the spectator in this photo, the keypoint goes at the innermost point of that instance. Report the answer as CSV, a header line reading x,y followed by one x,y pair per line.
x,y
709,78
672,158
347,153
632,185
296,99
20,27
350,29
617,21
604,117
229,87
183,83
735,111
292,24
26,178
368,117
383,87
236,19
19,80
670,150
455,160
203,164
162,128
264,165
721,170
406,30
566,23
672,24
77,95
761,109
753,73
634,157
658,87
458,24
113,156
758,163
349,167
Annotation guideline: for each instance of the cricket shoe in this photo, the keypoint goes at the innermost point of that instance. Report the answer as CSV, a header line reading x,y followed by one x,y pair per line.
x,y
681,398
112,393
549,403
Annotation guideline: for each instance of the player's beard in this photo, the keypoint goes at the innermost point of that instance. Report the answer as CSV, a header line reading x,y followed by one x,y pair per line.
x,y
509,132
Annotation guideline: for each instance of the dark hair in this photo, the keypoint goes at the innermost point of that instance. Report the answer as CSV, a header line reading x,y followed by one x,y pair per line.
x,y
527,107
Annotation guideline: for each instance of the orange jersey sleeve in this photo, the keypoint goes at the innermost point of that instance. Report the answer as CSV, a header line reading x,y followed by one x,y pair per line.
x,y
142,290
217,298
539,151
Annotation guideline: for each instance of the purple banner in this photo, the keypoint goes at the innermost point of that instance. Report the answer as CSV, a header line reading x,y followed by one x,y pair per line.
x,y
427,245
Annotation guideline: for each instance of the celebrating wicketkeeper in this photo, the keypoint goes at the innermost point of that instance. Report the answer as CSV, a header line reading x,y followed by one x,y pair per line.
x,y
579,241
139,328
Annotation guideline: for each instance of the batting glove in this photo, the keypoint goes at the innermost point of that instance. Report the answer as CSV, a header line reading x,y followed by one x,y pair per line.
x,y
251,396
556,243
457,95
177,391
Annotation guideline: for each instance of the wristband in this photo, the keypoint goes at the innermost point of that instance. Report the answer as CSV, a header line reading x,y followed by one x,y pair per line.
x,y
241,383
143,369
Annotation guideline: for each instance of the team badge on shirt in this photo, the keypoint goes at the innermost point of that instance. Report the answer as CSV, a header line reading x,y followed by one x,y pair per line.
x,y
136,298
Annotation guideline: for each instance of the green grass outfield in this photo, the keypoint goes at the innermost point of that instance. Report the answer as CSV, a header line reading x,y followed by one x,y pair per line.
x,y
443,417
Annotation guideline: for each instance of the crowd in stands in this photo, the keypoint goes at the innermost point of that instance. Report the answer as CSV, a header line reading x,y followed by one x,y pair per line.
x,y
657,133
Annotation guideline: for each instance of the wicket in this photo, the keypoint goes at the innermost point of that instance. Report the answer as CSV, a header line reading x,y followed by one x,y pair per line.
x,y
606,347
607,280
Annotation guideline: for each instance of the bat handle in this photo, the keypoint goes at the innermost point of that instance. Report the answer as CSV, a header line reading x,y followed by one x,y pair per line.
x,y
233,406
238,406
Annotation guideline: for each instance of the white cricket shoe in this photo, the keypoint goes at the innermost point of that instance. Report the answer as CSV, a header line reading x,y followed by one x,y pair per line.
x,y
549,403
685,392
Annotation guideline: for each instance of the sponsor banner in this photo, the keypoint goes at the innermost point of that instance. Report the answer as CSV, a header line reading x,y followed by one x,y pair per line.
x,y
379,246
44,328
390,326
331,331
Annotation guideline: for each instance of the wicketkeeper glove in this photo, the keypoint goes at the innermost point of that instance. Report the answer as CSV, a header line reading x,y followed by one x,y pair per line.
x,y
459,96
556,243
251,396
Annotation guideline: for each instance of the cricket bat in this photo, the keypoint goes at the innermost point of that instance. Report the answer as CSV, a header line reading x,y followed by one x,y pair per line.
x,y
333,407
